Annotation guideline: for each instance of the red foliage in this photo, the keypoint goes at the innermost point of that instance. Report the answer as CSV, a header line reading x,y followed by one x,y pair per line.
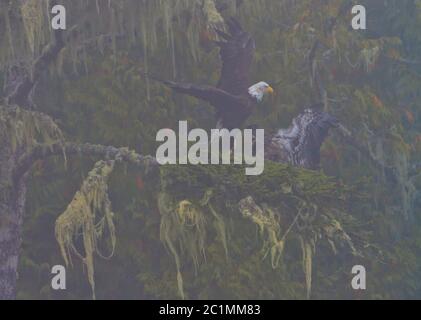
x,y
139,183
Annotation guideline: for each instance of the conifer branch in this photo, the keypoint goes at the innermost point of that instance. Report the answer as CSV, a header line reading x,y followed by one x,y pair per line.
x,y
87,150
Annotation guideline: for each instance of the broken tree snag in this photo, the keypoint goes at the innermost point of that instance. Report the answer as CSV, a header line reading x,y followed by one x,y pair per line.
x,y
21,91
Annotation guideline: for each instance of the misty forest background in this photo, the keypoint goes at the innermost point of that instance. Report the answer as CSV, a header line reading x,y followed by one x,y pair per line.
x,y
97,93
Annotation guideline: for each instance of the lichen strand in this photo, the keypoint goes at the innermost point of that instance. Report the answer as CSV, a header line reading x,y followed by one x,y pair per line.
x,y
354,67
294,205
184,228
268,223
81,219
321,226
24,129
34,17
183,232
109,22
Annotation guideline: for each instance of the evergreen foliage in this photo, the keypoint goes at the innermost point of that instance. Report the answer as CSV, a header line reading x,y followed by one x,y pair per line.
x,y
212,232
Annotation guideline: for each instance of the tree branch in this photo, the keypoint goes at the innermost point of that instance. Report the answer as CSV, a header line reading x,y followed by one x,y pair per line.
x,y
22,92
100,151
317,82
348,138
21,95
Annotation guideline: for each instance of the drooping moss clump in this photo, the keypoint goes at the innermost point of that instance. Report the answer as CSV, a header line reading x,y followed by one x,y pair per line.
x,y
283,203
101,91
20,128
81,219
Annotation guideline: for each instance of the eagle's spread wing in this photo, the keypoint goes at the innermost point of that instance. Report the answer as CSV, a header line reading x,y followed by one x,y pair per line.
x,y
237,53
300,144
230,97
213,95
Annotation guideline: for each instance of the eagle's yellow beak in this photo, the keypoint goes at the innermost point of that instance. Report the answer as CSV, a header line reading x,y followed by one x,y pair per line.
x,y
270,90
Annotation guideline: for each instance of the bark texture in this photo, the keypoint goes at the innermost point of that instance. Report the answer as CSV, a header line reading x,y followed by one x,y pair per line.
x,y
12,204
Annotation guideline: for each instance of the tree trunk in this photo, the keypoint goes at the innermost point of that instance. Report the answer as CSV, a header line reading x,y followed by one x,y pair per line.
x,y
12,205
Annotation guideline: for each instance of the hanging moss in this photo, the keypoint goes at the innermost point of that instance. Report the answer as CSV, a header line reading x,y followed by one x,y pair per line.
x,y
33,17
81,219
182,231
291,207
307,248
269,228
212,15
113,20
219,222
21,128
303,210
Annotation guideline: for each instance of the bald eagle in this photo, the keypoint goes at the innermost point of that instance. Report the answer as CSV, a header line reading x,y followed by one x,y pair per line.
x,y
233,98
300,144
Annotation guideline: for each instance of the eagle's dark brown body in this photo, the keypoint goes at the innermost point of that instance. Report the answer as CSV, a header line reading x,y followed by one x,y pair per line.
x,y
230,97
298,145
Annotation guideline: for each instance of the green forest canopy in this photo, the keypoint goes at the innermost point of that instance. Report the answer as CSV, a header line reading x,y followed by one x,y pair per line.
x,y
166,225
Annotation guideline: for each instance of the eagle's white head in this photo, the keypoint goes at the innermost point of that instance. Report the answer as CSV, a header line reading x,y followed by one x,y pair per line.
x,y
259,90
